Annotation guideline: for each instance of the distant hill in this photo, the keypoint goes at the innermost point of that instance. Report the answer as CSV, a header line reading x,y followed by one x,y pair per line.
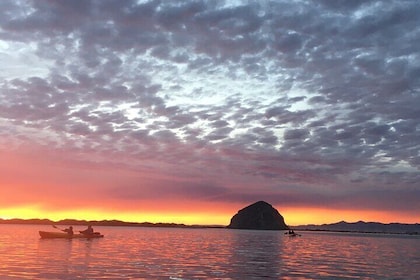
x,y
366,227
74,222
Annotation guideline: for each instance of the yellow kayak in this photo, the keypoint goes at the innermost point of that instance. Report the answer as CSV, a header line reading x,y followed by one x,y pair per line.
x,y
50,234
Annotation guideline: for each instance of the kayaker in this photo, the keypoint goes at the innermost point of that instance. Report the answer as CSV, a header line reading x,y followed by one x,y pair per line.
x,y
88,231
69,230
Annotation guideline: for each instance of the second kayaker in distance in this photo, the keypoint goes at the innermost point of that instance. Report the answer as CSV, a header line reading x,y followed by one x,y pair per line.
x,y
88,231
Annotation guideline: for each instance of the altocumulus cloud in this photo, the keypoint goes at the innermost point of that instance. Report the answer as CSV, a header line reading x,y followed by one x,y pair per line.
x,y
313,101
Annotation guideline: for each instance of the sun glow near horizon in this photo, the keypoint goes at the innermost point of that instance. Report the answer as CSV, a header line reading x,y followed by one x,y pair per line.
x,y
195,218
292,216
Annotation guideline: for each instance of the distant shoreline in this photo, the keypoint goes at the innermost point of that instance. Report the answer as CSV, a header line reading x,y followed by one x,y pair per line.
x,y
364,227
359,231
114,223
341,227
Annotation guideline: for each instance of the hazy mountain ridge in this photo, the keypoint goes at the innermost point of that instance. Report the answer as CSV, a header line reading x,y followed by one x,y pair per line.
x,y
361,226
75,222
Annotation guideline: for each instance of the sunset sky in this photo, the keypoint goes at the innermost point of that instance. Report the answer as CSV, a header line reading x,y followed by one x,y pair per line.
x,y
187,111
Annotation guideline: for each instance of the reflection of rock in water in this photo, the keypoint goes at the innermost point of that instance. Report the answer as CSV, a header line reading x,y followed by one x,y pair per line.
x,y
259,215
256,255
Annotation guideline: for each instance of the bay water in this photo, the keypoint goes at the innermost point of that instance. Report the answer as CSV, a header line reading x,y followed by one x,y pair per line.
x,y
186,253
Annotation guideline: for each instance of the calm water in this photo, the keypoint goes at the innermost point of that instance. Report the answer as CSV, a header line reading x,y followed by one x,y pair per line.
x,y
159,253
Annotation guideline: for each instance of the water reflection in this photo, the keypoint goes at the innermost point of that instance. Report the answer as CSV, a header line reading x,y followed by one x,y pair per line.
x,y
56,255
256,254
64,258
150,253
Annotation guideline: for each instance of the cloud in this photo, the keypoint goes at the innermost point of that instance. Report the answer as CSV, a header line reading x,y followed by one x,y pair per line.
x,y
302,92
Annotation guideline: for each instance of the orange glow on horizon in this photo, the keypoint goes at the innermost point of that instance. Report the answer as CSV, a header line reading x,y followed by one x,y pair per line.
x,y
56,189
193,218
292,217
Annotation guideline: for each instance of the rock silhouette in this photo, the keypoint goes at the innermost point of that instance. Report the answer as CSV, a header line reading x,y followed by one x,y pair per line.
x,y
259,215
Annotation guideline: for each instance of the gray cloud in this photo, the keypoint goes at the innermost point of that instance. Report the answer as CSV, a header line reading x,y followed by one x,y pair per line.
x,y
295,91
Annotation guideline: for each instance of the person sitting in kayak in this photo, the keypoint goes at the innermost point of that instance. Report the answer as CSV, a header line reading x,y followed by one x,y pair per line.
x,y
69,230
88,231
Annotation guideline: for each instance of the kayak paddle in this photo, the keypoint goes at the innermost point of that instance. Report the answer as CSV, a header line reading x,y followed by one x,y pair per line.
x,y
56,227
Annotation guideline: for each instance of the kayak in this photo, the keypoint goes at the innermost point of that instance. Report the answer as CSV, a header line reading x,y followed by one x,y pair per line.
x,y
292,234
50,234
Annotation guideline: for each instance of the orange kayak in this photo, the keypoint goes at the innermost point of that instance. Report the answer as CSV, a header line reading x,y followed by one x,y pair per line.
x,y
50,234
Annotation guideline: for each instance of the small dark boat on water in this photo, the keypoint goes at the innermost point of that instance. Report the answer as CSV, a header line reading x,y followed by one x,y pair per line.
x,y
50,234
291,233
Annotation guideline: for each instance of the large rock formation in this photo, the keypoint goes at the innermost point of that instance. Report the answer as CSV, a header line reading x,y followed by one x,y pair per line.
x,y
259,215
